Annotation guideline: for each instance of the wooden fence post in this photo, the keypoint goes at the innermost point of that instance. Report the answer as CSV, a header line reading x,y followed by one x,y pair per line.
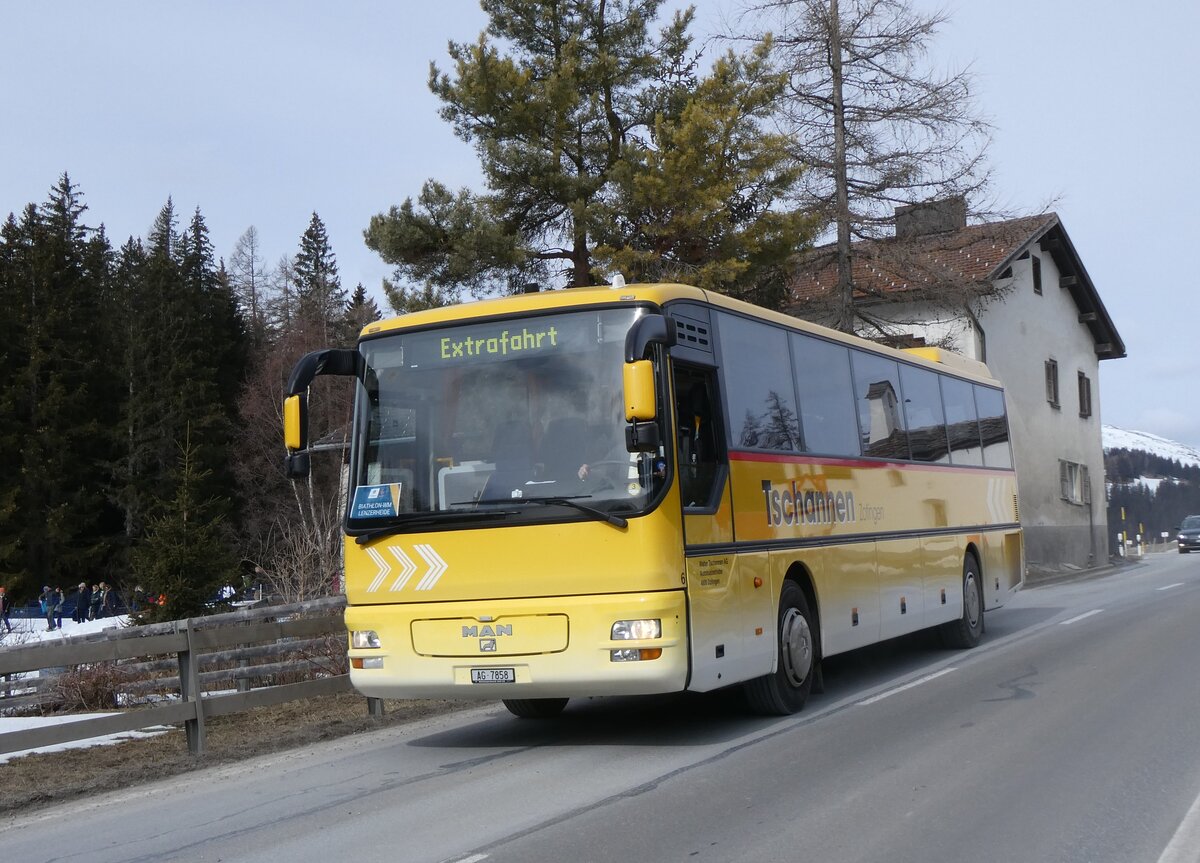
x,y
189,690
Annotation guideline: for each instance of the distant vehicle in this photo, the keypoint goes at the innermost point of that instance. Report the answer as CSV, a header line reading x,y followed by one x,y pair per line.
x,y
1189,534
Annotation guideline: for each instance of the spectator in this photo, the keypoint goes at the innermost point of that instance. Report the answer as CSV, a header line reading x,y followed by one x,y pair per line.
x,y
46,601
60,599
94,603
5,608
107,600
83,596
139,598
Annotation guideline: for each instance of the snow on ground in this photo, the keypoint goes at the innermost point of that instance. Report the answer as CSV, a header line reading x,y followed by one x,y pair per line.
x,y
1118,438
30,630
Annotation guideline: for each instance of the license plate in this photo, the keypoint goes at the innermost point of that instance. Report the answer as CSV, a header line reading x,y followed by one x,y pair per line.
x,y
493,675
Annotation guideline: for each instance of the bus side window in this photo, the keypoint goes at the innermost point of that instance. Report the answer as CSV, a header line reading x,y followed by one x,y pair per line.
x,y
699,442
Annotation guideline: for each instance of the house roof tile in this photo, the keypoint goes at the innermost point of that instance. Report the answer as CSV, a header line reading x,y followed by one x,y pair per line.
x,y
975,254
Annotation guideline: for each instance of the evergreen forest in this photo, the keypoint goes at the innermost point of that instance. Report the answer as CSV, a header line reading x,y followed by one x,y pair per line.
x,y
140,423
1134,506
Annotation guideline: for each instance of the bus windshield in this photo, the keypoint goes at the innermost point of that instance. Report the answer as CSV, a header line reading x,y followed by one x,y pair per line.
x,y
495,416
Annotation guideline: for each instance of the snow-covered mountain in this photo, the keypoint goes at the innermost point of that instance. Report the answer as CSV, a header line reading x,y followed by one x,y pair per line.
x,y
1117,438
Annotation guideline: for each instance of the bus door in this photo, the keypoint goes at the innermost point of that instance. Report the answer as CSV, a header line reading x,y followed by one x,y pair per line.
x,y
714,587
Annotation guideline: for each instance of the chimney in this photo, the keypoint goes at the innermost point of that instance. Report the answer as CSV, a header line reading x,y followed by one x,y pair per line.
x,y
931,217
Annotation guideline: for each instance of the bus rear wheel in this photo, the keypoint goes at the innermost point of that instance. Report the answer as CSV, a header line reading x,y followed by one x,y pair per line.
x,y
785,690
535,708
968,629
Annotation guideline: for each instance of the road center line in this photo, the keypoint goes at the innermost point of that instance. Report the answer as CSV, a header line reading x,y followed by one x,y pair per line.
x,y
474,858
1183,845
1169,586
1080,617
883,695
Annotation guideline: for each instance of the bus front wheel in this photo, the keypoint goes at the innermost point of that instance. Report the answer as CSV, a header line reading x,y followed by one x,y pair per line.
x,y
786,689
535,708
968,629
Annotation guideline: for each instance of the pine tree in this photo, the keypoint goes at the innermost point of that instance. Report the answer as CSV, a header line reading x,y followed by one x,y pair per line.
x,y
150,280
321,300
360,311
704,201
575,120
14,330
185,365
60,405
184,557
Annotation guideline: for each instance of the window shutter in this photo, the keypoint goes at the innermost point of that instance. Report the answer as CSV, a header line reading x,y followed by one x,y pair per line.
x,y
1064,480
1087,484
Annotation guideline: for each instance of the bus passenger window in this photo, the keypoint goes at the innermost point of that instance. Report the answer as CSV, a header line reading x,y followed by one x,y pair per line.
x,y
698,440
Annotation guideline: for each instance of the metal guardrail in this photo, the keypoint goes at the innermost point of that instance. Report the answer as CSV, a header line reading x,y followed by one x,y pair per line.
x,y
188,642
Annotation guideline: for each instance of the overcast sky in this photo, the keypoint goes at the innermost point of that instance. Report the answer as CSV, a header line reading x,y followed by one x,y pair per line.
x,y
260,113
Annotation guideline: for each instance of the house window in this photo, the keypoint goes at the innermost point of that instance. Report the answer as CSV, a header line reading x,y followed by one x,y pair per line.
x,y
1037,274
1085,395
1052,382
1075,484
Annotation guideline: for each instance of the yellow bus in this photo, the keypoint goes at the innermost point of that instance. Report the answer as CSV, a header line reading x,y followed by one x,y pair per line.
x,y
652,488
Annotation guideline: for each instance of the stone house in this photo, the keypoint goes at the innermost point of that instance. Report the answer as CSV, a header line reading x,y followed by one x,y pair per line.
x,y
1015,295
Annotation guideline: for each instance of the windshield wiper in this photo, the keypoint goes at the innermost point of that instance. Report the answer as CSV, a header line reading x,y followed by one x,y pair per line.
x,y
431,518
571,501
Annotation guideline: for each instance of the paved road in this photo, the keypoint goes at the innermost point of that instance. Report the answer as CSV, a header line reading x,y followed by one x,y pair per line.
x,y
1071,734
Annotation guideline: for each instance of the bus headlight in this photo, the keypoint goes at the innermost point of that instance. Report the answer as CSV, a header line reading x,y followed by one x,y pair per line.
x,y
364,639
636,630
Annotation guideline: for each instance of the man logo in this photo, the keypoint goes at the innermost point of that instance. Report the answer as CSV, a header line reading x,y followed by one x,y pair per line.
x,y
487,630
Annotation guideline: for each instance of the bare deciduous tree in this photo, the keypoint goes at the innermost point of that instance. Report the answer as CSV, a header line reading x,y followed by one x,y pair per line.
x,y
877,125
248,276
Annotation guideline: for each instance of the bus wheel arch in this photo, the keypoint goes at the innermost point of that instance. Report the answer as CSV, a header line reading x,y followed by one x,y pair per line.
x,y
967,631
784,691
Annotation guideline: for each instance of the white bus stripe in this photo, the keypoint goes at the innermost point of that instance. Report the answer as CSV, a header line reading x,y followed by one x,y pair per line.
x,y
1080,617
891,692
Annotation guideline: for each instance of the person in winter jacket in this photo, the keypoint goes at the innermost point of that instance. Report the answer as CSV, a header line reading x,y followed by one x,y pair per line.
x,y
83,597
5,608
47,600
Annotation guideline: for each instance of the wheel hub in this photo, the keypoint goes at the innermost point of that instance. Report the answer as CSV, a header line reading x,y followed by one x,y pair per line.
x,y
971,598
796,644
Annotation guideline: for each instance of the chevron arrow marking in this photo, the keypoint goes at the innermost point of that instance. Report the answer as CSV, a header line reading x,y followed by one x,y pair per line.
x,y
436,567
407,568
384,569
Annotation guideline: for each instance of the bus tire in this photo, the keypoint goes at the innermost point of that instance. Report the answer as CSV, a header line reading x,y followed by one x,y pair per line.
x,y
968,629
535,708
785,690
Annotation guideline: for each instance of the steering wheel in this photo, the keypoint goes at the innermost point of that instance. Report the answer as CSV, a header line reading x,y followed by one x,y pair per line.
x,y
608,473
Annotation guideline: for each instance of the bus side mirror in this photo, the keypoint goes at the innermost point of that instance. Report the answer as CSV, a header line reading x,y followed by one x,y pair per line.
x,y
332,361
295,436
641,435
295,433
297,465
640,403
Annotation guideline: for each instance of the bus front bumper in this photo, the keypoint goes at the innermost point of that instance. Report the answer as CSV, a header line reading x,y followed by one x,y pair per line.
x,y
520,648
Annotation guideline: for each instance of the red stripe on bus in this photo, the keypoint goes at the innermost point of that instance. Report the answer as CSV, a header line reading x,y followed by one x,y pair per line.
x,y
780,458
